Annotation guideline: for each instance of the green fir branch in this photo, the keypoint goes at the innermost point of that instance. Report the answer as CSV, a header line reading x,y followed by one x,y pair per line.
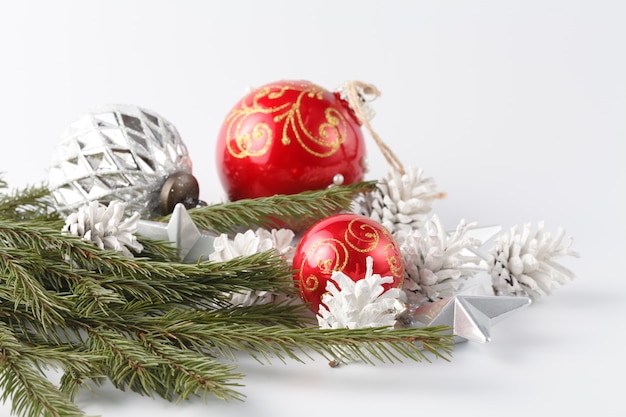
x,y
158,250
155,326
279,210
31,393
190,373
267,342
29,203
19,270
71,259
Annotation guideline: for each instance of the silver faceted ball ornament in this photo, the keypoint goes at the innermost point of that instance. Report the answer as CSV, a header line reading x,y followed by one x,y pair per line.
x,y
119,152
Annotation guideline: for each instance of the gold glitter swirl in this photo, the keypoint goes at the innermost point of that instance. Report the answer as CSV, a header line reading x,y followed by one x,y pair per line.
x,y
362,237
325,266
311,283
243,141
394,260
261,133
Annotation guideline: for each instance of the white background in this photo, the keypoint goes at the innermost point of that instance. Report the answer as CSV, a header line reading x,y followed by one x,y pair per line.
x,y
516,108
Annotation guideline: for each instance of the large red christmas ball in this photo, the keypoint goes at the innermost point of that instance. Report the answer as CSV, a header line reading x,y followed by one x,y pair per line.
x,y
287,137
343,242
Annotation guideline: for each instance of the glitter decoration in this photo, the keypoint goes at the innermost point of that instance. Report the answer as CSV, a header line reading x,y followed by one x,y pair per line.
x,y
120,152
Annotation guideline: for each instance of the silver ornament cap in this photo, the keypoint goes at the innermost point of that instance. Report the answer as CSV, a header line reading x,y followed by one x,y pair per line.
x,y
118,152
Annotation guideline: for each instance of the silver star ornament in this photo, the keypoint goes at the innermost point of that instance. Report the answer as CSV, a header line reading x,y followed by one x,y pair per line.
x,y
193,245
484,235
469,317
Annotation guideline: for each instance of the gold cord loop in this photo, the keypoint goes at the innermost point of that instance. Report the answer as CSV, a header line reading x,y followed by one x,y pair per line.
x,y
356,93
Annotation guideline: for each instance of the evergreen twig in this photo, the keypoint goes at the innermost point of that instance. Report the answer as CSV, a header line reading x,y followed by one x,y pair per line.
x,y
31,393
29,203
279,210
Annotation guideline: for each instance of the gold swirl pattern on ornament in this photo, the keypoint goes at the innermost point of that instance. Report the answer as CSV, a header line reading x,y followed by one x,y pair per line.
x,y
325,142
324,266
246,142
311,283
361,237
393,260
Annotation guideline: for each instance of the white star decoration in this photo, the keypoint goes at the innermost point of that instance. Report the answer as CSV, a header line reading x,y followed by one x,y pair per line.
x,y
182,232
469,316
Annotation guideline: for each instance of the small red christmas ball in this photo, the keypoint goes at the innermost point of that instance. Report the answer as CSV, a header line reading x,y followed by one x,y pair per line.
x,y
343,242
288,137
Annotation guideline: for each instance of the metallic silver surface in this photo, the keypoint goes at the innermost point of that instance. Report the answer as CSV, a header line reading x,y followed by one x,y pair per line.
x,y
193,245
470,317
116,153
485,235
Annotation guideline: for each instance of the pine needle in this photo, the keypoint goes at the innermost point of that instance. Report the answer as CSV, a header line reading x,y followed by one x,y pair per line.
x,y
29,203
267,342
31,393
280,210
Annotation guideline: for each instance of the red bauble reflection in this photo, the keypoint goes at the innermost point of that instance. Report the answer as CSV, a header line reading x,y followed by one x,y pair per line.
x,y
287,137
342,243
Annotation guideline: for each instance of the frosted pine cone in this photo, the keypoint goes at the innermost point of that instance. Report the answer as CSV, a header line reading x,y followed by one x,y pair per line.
x,y
402,201
280,240
437,264
360,304
523,263
103,226
249,243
